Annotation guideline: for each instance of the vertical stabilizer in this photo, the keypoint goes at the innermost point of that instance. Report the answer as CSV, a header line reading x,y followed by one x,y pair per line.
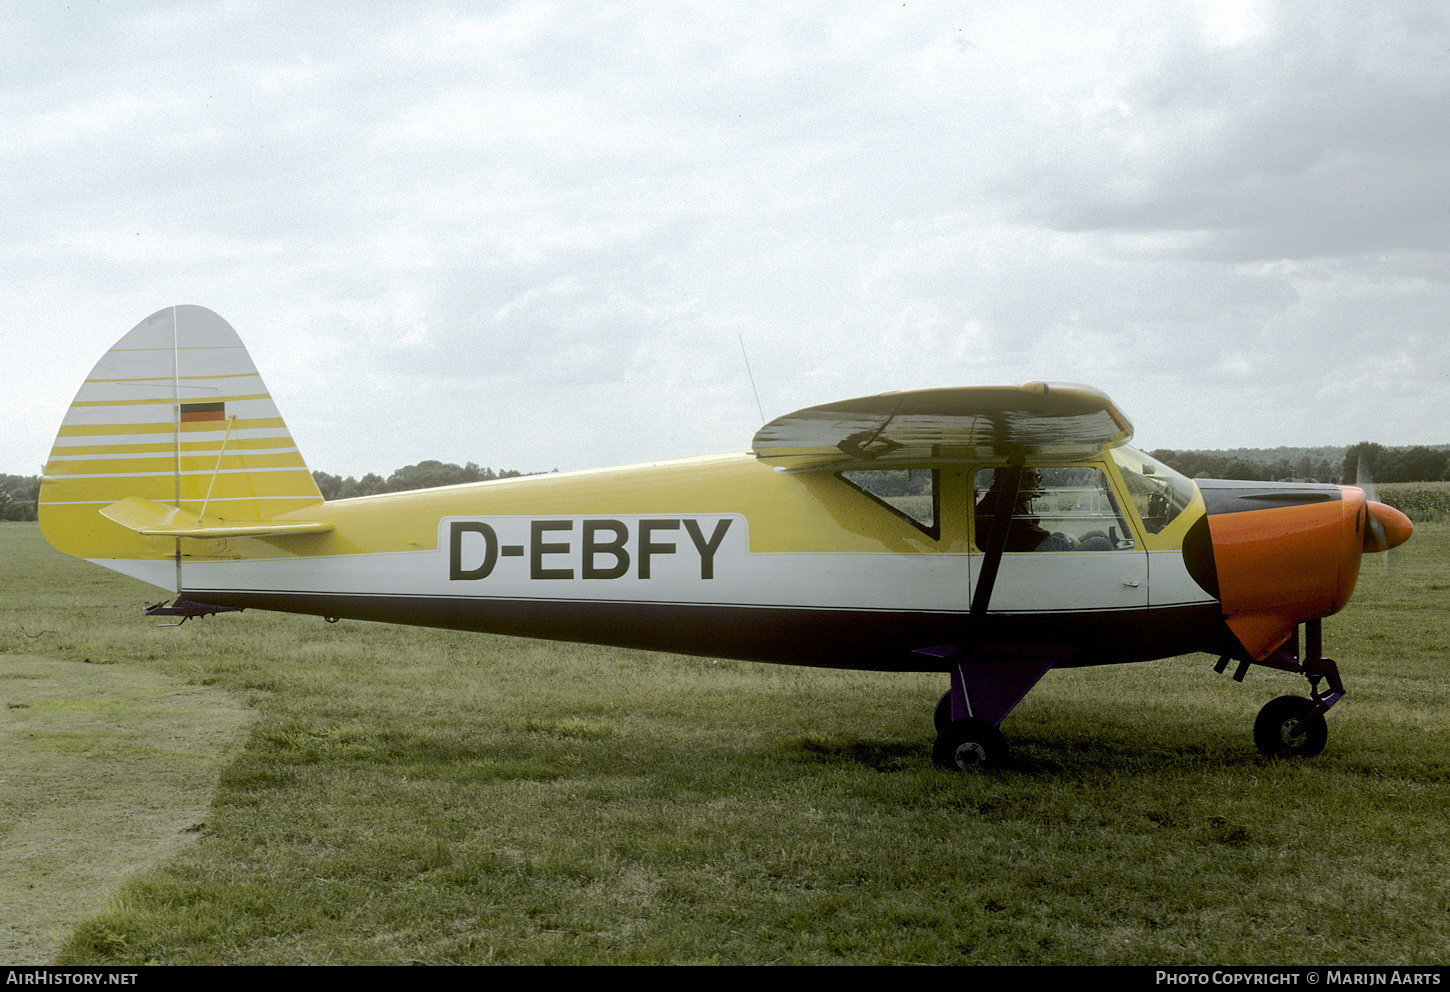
x,y
174,414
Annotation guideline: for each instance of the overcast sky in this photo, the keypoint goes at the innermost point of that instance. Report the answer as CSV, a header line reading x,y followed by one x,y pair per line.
x,y
535,235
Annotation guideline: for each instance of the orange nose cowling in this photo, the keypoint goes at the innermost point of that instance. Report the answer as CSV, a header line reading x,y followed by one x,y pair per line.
x,y
1283,565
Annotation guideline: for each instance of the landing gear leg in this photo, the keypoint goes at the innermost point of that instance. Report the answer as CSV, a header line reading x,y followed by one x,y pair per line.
x,y
986,685
1292,726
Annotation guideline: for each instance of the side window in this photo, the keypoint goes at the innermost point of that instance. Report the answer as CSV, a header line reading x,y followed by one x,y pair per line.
x,y
1059,508
910,493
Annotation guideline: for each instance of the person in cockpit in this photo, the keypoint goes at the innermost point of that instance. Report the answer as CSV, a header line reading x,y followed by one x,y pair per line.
x,y
1026,532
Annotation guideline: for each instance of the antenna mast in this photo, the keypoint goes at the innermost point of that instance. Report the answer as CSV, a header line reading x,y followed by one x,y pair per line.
x,y
741,338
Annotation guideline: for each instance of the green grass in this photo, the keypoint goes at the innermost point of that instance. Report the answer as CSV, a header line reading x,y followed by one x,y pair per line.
x,y
423,796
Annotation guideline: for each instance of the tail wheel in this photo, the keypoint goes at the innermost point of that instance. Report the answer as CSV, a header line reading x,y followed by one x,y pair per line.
x,y
1281,731
966,745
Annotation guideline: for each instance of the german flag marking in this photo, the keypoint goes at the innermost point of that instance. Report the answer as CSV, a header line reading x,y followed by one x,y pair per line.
x,y
194,412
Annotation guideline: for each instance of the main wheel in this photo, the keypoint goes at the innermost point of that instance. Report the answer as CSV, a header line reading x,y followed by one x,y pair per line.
x,y
969,744
943,713
1274,730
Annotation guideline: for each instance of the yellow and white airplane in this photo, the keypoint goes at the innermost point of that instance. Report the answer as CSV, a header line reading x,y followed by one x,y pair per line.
x,y
992,533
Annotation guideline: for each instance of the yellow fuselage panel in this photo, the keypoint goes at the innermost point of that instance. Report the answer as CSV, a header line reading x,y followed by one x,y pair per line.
x,y
807,512
785,513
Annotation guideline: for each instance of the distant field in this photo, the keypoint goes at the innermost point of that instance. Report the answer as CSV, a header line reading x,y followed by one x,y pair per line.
x,y
420,796
1420,501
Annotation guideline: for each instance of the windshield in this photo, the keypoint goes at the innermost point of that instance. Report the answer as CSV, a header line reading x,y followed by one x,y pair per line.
x,y
1159,493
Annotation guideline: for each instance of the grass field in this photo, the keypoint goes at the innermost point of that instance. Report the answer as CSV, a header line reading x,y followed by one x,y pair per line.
x,y
422,796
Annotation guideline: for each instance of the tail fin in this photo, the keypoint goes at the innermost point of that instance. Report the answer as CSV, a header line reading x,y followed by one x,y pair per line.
x,y
172,435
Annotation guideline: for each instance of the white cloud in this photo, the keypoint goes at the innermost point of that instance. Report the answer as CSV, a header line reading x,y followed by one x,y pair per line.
x,y
536,233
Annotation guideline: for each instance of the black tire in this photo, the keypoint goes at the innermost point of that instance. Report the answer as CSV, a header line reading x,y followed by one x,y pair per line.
x,y
968,745
1272,729
943,714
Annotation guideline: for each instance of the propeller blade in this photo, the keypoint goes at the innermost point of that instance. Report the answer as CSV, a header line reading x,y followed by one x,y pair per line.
x,y
1374,531
1385,527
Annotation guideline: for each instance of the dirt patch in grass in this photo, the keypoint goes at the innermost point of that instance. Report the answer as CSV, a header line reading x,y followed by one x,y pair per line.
x,y
104,770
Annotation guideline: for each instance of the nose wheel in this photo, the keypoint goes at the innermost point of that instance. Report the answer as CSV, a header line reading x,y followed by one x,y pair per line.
x,y
1290,727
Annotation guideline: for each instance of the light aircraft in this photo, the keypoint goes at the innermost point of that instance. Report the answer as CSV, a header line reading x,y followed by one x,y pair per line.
x,y
990,533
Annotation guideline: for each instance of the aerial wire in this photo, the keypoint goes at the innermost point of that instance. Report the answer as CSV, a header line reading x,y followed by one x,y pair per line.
x,y
751,374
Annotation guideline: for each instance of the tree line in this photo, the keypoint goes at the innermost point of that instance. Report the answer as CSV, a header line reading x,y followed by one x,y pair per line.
x,y
424,475
1243,465
18,493
1417,464
1332,465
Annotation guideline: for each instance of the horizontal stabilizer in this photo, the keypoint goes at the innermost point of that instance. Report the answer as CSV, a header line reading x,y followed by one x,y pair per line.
x,y
152,519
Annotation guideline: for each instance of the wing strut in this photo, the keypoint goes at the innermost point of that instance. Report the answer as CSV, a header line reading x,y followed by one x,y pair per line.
x,y
988,680
1011,484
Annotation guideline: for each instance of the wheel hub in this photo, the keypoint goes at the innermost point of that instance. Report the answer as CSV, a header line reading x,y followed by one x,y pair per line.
x,y
971,754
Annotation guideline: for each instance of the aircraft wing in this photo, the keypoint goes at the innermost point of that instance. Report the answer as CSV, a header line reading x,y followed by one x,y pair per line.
x,y
1042,419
